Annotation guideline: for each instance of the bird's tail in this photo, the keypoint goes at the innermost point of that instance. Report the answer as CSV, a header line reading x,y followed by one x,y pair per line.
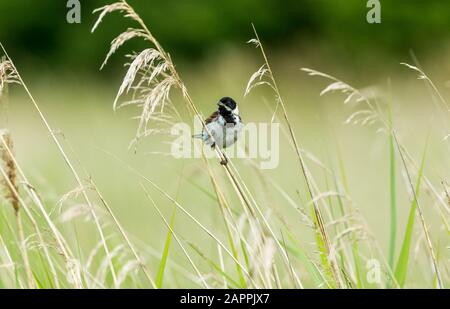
x,y
200,135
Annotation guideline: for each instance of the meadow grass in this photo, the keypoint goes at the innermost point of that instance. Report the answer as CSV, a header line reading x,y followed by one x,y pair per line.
x,y
205,224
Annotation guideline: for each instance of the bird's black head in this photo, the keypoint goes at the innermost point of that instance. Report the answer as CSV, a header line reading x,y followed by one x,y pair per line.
x,y
227,103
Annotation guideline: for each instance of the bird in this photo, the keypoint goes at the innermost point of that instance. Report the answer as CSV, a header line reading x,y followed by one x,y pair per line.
x,y
225,125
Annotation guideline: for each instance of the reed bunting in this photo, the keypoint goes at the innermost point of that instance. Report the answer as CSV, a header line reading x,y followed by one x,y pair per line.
x,y
224,125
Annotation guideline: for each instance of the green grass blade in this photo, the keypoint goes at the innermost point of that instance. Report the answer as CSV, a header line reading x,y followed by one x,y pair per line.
x,y
38,282
238,267
355,247
401,269
360,280
162,265
308,262
360,283
46,270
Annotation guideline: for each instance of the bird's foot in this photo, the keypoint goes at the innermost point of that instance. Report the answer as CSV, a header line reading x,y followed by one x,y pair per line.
x,y
224,162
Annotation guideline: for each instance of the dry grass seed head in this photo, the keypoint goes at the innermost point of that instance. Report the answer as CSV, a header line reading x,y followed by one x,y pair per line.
x,y
120,6
148,75
9,167
122,39
368,116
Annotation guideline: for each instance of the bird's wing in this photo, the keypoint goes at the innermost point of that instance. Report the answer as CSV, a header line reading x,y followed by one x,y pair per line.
x,y
212,117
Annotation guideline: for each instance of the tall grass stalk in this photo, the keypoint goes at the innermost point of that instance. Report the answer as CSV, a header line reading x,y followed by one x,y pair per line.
x,y
402,263
318,218
189,215
177,239
62,246
151,93
141,264
9,76
422,219
66,160
373,114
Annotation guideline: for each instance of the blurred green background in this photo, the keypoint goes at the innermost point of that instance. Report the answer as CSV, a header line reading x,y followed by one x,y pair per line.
x,y
37,32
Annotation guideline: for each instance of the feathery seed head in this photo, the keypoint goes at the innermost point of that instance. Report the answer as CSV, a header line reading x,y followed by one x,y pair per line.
x,y
149,76
8,166
8,75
